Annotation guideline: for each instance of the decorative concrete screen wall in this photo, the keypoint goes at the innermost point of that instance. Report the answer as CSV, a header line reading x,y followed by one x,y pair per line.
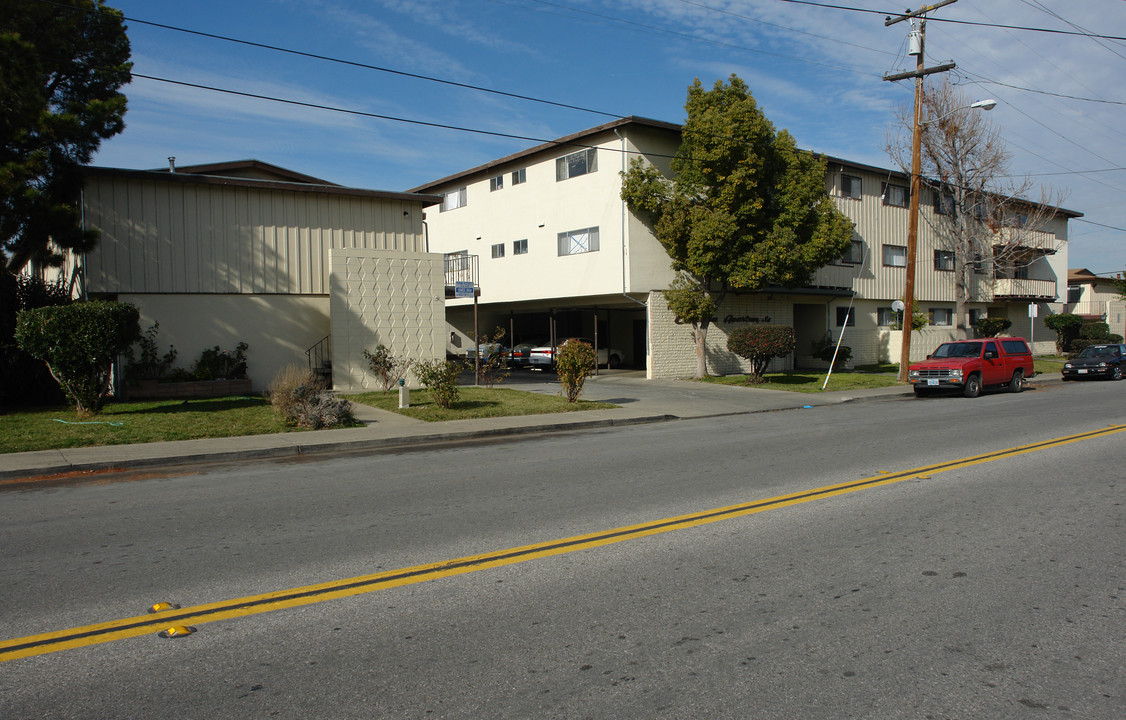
x,y
384,297
672,349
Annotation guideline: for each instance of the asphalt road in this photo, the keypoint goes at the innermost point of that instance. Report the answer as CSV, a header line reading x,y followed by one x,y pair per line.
x,y
921,588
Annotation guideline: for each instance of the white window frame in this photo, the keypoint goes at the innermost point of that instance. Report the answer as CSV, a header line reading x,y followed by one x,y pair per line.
x,y
941,317
889,258
454,199
887,317
496,183
519,176
578,242
576,164
498,250
520,247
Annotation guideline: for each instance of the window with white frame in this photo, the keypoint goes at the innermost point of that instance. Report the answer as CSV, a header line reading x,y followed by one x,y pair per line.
x,y
498,250
977,314
520,247
846,316
896,195
854,255
895,255
519,176
941,316
576,242
886,317
496,183
850,186
943,260
575,164
453,199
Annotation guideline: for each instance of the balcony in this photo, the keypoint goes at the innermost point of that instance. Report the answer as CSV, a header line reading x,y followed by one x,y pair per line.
x,y
461,268
1030,242
1024,289
1094,310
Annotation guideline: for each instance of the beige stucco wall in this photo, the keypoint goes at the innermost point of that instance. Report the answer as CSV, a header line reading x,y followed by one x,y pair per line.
x,y
384,297
277,328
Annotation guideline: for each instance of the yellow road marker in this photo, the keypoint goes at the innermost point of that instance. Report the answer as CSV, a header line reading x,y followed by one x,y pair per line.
x,y
240,607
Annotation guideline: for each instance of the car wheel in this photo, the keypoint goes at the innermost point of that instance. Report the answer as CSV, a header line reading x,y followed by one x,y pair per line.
x,y
972,387
1017,383
921,392
1117,373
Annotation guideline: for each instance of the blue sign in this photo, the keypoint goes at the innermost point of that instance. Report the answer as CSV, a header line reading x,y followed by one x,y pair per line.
x,y
463,289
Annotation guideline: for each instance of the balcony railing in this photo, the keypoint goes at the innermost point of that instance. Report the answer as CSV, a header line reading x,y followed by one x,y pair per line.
x,y
1023,288
1036,242
1096,308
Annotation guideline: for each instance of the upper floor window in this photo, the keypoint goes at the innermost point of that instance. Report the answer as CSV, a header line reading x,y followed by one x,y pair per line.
x,y
576,242
453,199
498,250
850,186
943,203
520,247
943,260
519,176
896,195
575,164
854,255
496,183
895,255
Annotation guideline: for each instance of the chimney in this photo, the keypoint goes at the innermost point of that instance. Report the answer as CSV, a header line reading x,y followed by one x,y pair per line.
x,y
171,163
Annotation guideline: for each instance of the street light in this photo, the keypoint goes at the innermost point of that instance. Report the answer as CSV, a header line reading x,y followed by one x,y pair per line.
x,y
913,219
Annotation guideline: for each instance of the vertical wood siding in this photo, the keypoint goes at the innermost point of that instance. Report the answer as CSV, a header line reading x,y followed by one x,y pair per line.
x,y
172,237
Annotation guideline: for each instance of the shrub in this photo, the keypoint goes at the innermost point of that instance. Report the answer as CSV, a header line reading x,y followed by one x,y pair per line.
x,y
386,367
1067,327
216,364
574,362
440,378
993,326
79,343
151,365
26,380
302,399
1096,332
760,343
826,347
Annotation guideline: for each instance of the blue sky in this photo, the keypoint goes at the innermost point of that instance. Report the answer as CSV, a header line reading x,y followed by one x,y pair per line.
x,y
815,70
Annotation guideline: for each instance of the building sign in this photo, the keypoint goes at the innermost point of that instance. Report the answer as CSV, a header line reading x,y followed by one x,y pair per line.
x,y
463,289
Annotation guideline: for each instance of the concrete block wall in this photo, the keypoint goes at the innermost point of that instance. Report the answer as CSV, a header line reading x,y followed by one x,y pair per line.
x,y
384,297
672,348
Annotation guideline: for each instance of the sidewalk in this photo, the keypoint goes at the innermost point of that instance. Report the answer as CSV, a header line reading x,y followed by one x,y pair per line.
x,y
639,401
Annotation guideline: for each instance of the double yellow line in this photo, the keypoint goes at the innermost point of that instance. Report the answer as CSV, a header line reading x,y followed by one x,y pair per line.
x,y
295,597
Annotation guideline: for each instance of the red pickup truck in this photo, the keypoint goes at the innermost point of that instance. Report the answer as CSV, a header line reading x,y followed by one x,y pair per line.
x,y
970,365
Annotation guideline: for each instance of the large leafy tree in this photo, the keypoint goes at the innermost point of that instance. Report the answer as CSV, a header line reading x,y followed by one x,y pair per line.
x,y
62,64
745,209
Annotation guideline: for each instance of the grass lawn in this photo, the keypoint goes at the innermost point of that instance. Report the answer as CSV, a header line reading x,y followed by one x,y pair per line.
x,y
476,402
1048,364
810,381
138,422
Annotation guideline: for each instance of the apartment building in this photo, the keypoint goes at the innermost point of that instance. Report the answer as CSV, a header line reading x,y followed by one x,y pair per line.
x,y
555,252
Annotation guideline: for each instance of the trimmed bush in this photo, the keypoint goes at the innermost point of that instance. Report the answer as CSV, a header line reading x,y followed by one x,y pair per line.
x,y
826,347
79,343
440,378
993,326
574,363
760,343
1067,327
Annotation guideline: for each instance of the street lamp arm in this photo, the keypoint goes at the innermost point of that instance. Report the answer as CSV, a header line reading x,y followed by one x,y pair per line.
x,y
979,105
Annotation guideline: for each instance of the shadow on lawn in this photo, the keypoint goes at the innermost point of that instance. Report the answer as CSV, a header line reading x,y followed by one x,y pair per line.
x,y
191,405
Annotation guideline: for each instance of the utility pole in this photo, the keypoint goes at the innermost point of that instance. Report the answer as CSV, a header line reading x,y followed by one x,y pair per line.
x,y
917,46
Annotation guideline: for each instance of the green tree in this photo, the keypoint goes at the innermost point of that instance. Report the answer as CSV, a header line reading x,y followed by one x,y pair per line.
x,y
79,343
746,209
574,363
61,66
1066,326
